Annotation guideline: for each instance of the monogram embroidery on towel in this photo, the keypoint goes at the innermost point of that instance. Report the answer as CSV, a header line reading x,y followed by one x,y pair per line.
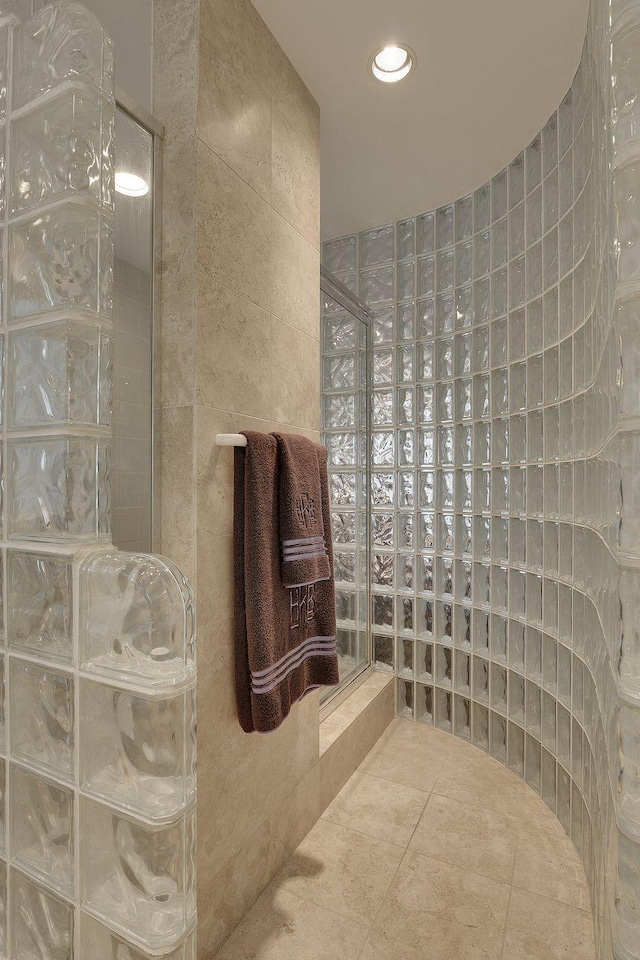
x,y
302,605
305,510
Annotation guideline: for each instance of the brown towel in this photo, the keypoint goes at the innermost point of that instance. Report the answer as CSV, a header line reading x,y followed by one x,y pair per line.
x,y
302,534
284,637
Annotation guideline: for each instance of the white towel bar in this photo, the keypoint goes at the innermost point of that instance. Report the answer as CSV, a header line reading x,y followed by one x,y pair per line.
x,y
231,440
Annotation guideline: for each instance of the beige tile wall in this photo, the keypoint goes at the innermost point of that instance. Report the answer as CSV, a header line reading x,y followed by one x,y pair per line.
x,y
237,348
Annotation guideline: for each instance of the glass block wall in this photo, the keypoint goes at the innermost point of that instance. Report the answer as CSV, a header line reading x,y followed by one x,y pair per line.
x,y
505,454
345,415
97,656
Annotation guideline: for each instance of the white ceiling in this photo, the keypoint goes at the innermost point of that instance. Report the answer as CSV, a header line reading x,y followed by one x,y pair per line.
x,y
488,75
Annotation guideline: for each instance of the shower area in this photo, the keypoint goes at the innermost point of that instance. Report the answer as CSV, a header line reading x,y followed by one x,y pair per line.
x,y
502,515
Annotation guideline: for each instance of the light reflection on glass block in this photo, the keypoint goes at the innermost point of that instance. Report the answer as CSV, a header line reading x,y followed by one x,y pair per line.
x,y
139,877
61,260
42,710
54,491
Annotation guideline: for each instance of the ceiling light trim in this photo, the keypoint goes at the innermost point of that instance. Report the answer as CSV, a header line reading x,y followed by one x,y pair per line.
x,y
396,75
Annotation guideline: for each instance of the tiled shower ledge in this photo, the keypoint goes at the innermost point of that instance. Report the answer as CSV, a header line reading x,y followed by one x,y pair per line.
x,y
338,720
432,850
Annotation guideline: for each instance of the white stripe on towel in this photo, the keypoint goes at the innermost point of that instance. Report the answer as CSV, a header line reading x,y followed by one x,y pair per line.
x,y
290,543
287,656
324,651
304,556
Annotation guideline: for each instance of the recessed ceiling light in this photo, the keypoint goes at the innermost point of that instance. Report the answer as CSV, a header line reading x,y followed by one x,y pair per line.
x,y
130,184
392,62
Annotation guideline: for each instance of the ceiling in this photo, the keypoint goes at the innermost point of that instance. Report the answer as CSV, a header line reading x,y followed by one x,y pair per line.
x,y
487,77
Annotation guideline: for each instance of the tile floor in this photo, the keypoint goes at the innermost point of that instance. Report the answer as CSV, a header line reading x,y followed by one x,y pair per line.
x,y
432,851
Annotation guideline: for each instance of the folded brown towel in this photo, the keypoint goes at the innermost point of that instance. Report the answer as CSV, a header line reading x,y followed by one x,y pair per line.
x,y
302,534
284,636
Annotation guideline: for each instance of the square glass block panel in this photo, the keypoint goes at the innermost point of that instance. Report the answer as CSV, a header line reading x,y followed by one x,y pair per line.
x,y
56,492
62,260
57,46
100,943
41,923
40,609
64,148
59,374
137,619
137,877
42,830
42,711
138,752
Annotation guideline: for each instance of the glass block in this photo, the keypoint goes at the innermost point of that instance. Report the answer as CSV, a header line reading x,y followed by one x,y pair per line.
x,y
498,688
516,645
59,45
405,699
406,280
41,923
563,798
462,717
480,726
377,246
498,737
425,233
406,321
339,372
533,215
515,756
61,260
424,703
138,752
40,608
533,654
138,619
383,653
42,711
137,877
516,694
445,269
425,620
42,830
499,202
55,493
77,161
406,238
464,218
482,254
533,709
339,410
100,943
532,763
425,278
443,709
444,226
339,255
383,324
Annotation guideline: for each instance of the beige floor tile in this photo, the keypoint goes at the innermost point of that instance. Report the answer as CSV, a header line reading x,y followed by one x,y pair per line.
x,y
342,870
414,761
380,947
483,781
543,929
547,863
446,912
282,926
467,836
379,808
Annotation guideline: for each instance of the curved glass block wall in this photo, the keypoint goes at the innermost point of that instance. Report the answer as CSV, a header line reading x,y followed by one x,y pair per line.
x,y
505,512
97,656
